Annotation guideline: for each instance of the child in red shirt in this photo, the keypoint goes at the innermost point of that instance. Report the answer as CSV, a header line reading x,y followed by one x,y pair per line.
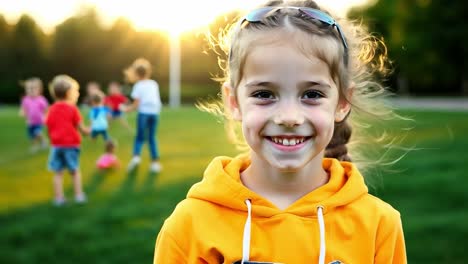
x,y
63,122
114,100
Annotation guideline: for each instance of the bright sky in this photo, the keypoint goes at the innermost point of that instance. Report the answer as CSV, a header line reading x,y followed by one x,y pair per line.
x,y
169,15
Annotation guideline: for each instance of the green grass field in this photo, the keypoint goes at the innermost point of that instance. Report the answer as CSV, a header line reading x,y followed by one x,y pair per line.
x,y
125,212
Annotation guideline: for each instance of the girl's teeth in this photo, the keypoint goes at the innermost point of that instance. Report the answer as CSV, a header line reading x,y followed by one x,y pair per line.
x,y
288,142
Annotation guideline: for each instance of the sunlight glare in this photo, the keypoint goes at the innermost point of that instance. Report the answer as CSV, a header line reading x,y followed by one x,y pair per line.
x,y
170,16
173,17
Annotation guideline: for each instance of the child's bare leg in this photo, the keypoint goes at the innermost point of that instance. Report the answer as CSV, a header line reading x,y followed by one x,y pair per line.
x,y
40,140
124,122
37,139
58,186
77,183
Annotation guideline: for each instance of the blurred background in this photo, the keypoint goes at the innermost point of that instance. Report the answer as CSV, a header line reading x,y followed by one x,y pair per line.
x,y
96,40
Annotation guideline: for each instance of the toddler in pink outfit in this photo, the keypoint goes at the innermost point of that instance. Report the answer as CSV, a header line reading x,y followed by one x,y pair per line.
x,y
108,159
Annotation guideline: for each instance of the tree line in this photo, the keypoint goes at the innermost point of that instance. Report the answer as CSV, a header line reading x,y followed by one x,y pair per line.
x,y
426,41
81,47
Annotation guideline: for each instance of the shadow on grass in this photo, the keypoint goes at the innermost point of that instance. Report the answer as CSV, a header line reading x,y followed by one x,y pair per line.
x,y
121,228
97,178
149,183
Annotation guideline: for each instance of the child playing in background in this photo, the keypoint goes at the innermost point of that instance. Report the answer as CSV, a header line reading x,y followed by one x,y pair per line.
x,y
108,159
33,107
146,99
64,122
98,115
92,88
292,75
113,100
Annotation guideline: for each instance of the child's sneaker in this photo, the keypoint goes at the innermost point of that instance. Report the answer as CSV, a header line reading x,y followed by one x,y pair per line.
x,y
133,163
155,167
59,202
81,199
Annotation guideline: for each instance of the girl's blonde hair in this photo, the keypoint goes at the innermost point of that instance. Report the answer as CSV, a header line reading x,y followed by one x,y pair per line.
x,y
139,69
367,57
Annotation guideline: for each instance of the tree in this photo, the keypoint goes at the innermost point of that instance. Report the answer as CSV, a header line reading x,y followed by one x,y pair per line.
x,y
78,45
22,54
426,39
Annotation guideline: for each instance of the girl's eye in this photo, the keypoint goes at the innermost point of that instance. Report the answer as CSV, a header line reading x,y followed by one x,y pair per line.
x,y
312,94
263,94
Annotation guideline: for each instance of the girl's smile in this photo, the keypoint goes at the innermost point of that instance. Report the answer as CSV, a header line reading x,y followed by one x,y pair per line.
x,y
288,143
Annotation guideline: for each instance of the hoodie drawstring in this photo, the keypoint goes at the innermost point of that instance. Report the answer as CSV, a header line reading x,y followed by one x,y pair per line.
x,y
247,230
322,234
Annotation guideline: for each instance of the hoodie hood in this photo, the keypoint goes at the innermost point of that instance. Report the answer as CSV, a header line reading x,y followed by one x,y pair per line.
x,y
221,185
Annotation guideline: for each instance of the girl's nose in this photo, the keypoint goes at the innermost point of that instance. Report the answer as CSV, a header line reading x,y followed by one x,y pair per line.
x,y
289,114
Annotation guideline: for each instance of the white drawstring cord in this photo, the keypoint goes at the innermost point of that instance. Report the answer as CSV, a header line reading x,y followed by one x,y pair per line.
x,y
247,233
322,234
247,230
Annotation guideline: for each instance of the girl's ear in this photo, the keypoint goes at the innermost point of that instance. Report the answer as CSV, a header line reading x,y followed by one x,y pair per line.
x,y
342,110
231,102
344,106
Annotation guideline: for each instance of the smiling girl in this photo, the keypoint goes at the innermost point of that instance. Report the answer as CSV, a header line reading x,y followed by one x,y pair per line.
x,y
293,74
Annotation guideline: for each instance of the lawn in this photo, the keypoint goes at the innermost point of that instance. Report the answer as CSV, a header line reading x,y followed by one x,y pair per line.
x,y
125,212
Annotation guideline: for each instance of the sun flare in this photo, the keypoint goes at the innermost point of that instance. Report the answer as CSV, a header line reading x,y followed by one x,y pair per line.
x,y
171,16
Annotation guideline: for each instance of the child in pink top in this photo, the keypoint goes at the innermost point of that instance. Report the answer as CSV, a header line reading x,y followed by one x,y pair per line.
x,y
108,160
33,108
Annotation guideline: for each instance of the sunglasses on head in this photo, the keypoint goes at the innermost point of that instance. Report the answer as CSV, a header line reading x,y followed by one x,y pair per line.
x,y
259,14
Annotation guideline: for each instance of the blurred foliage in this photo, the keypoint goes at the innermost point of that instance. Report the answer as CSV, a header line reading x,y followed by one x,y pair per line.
x,y
426,40
87,51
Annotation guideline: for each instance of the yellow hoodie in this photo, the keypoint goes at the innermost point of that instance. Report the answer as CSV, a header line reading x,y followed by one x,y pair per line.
x,y
221,221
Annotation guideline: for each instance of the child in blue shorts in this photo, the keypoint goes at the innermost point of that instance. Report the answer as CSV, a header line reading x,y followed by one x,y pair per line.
x,y
63,123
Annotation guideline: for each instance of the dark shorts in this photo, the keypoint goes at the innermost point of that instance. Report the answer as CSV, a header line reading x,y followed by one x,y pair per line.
x,y
64,158
116,113
96,133
34,131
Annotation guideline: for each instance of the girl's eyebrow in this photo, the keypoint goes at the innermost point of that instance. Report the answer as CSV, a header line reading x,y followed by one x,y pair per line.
x,y
260,83
306,84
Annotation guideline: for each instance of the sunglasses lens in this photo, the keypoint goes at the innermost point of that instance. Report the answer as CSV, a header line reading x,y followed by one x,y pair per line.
x,y
258,14
318,15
